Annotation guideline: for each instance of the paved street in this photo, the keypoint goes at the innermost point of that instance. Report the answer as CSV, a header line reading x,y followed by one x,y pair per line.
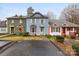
x,y
32,48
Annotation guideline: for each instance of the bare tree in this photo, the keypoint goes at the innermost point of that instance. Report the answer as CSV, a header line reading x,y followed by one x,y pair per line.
x,y
71,13
51,17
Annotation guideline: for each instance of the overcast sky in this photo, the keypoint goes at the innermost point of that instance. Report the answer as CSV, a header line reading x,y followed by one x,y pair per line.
x,y
10,9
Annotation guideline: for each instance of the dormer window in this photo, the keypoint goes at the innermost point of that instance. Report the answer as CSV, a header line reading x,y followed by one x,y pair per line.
x,y
55,24
64,24
16,15
12,21
20,20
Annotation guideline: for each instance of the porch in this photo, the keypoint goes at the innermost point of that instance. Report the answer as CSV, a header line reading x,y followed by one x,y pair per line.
x,y
66,31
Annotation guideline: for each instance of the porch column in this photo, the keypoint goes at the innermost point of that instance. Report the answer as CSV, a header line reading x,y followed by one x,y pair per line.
x,y
49,30
73,29
61,30
66,32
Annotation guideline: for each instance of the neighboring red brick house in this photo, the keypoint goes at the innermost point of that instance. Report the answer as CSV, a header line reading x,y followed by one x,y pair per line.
x,y
62,27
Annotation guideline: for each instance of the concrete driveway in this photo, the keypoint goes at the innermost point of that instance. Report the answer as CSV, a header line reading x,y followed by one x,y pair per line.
x,y
32,48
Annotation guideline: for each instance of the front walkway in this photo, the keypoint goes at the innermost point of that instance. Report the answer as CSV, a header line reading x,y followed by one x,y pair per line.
x,y
69,41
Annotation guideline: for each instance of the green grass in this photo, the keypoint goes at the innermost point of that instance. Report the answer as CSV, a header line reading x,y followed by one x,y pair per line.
x,y
51,37
16,38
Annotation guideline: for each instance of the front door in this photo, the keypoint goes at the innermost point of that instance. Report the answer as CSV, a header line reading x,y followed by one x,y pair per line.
x,y
33,29
12,30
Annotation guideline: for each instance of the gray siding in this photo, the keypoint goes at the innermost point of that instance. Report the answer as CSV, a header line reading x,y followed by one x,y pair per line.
x,y
38,25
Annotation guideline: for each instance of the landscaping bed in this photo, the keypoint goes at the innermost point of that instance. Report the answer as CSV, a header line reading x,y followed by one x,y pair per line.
x,y
75,46
58,41
67,49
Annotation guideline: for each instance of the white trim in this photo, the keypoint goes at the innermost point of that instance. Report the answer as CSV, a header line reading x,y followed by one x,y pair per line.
x,y
73,29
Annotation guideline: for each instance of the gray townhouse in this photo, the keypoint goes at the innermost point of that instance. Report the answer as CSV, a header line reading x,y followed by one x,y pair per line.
x,y
16,24
34,23
37,24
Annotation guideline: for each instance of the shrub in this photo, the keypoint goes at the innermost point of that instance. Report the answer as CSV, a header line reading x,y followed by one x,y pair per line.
x,y
25,33
22,33
76,48
59,38
50,37
19,33
72,35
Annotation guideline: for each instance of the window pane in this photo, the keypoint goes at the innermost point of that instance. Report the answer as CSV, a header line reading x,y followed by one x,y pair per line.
x,y
70,29
57,29
33,20
3,29
42,21
20,20
12,21
52,29
42,29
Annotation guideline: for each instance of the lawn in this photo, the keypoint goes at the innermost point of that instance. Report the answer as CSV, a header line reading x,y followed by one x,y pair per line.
x,y
16,38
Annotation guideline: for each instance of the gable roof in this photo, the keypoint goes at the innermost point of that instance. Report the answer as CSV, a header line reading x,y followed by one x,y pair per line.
x,y
2,23
37,15
63,23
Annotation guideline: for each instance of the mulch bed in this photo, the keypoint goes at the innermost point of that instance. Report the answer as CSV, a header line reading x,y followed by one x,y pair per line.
x,y
66,48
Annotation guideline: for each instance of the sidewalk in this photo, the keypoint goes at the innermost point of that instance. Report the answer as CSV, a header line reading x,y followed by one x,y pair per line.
x,y
4,43
5,35
69,41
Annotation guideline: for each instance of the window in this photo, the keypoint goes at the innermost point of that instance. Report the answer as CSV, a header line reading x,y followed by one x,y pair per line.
x,y
20,20
55,24
52,29
12,21
70,29
55,29
33,20
3,29
41,29
42,21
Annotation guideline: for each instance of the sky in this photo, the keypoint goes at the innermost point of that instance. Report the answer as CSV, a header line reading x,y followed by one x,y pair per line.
x,y
11,9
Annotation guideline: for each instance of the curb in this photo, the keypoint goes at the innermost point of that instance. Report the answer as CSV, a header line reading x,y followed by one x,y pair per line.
x,y
59,48
6,46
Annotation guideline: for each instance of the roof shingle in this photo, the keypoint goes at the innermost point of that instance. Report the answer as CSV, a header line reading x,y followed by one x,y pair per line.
x,y
63,23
